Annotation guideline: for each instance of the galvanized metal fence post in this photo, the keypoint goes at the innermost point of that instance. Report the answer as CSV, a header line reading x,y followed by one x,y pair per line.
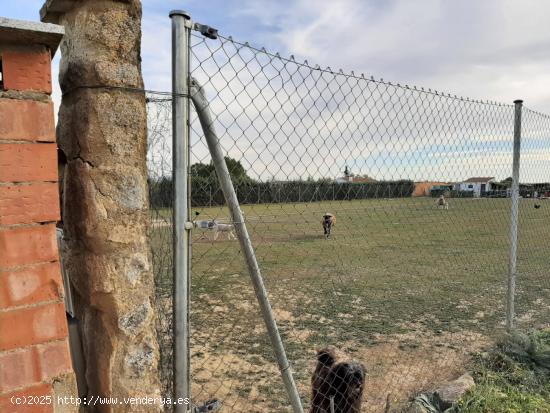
x,y
201,105
181,26
514,218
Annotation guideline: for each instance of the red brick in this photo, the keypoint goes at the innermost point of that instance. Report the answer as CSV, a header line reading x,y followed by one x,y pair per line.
x,y
18,369
28,162
26,120
27,70
31,285
54,359
32,325
27,245
25,204
8,403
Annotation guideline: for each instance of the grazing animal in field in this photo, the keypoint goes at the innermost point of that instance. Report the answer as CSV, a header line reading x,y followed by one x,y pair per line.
x,y
336,387
328,222
227,229
217,227
442,203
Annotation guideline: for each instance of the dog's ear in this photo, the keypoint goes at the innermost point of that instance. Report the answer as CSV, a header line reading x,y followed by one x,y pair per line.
x,y
326,356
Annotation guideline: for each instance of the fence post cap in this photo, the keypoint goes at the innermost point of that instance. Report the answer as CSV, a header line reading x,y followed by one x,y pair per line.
x,y
517,101
180,13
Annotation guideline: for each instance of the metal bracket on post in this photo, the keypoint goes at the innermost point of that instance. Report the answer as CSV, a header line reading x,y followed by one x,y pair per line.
x,y
206,30
181,27
511,293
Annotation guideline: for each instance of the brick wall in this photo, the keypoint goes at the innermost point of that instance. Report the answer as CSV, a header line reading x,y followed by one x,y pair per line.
x,y
34,351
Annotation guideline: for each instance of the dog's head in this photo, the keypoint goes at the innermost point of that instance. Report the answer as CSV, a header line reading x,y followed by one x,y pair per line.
x,y
348,378
341,382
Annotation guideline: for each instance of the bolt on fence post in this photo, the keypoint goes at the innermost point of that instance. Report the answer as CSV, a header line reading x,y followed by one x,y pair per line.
x,y
181,235
514,218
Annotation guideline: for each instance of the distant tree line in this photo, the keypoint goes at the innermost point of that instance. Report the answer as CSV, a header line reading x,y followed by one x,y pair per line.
x,y
300,191
206,191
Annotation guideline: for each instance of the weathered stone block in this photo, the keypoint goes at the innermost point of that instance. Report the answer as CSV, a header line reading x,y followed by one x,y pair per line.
x,y
103,41
452,392
102,128
103,133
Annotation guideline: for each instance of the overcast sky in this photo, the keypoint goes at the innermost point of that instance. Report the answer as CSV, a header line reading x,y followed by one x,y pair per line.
x,y
491,49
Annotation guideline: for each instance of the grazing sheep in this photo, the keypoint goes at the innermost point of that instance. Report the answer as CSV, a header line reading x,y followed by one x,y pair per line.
x,y
442,203
336,386
216,227
328,221
227,229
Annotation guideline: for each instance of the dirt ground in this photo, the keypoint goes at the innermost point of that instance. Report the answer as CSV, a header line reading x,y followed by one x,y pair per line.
x,y
399,366
408,290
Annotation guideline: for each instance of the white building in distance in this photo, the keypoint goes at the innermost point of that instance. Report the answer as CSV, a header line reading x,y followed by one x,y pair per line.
x,y
477,185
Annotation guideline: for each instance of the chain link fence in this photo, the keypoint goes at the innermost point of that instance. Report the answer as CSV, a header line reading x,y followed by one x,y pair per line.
x,y
408,284
159,165
533,284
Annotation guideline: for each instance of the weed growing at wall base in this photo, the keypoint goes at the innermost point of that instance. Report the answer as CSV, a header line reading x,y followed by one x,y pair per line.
x,y
514,377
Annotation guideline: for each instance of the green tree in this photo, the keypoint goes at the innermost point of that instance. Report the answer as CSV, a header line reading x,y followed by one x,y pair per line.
x,y
237,171
207,171
202,170
507,182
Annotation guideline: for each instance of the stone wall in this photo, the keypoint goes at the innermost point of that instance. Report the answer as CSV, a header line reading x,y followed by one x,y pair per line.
x,y
102,132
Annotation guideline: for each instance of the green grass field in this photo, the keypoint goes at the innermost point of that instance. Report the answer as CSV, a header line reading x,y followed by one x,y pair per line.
x,y
409,290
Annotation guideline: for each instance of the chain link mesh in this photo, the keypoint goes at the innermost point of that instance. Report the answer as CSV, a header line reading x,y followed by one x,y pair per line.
x,y
533,285
406,286
159,165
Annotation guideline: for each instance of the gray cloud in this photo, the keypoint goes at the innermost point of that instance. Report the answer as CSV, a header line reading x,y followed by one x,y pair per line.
x,y
492,49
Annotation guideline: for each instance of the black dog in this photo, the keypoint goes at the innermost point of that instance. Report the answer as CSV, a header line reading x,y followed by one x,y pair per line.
x,y
338,383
